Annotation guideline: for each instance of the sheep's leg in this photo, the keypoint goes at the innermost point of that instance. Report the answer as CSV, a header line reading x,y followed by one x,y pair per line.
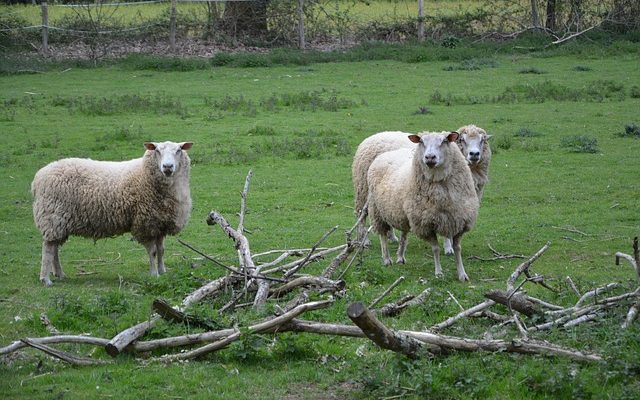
x,y
57,268
152,251
384,248
448,247
435,248
49,254
457,248
392,236
160,255
402,248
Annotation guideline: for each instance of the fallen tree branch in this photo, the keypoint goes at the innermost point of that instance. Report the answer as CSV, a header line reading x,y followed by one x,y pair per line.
x,y
265,326
386,292
633,260
305,260
395,308
64,356
380,334
525,266
516,301
78,339
464,314
316,281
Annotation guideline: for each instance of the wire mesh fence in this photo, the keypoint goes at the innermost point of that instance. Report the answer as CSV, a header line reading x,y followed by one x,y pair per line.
x,y
176,24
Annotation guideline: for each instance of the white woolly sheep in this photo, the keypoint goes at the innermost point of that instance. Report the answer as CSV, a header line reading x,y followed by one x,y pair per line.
x,y
367,151
428,191
148,197
474,144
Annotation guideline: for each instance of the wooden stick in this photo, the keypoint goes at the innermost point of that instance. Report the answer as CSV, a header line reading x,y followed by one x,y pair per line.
x,y
124,338
213,260
217,345
386,292
47,324
380,334
314,257
244,254
90,340
573,286
265,326
635,260
169,313
516,301
304,261
594,293
525,266
632,314
64,356
466,313
397,307
316,281
243,201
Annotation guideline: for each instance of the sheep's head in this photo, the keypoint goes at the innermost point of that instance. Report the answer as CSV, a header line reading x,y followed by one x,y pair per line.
x,y
431,147
472,142
169,156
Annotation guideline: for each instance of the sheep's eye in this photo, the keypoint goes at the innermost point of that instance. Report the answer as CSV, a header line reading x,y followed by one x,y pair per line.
x,y
178,151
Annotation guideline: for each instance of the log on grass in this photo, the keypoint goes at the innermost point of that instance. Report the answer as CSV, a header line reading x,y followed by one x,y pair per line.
x,y
517,302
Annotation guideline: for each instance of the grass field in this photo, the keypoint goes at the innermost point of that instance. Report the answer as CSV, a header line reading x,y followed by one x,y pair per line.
x,y
563,171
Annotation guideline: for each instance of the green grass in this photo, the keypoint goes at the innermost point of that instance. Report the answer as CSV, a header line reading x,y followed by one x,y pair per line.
x,y
297,127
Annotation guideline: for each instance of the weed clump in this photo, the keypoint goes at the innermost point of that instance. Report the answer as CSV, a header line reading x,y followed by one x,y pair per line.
x,y
630,130
160,103
472,64
580,144
532,70
582,68
526,133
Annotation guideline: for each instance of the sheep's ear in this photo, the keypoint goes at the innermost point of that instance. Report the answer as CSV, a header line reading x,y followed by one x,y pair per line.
x,y
149,146
186,145
415,138
487,137
453,136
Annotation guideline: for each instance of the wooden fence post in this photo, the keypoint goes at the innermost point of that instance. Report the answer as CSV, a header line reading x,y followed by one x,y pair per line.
x,y
421,20
301,41
45,28
172,27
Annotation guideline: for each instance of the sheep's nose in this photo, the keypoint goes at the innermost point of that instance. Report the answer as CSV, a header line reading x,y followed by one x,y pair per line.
x,y
474,155
167,169
430,160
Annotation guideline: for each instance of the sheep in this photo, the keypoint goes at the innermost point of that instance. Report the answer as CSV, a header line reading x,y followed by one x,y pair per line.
x,y
147,196
367,151
427,191
474,144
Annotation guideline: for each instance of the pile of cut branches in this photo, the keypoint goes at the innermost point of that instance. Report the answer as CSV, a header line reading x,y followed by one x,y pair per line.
x,y
253,284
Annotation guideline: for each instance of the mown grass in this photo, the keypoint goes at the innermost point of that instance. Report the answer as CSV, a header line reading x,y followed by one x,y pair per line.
x,y
283,122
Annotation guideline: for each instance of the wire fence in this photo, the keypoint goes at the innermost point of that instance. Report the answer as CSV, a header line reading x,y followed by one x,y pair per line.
x,y
296,22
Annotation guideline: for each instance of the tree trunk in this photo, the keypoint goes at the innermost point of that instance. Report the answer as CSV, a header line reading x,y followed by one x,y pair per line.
x,y
535,16
551,15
